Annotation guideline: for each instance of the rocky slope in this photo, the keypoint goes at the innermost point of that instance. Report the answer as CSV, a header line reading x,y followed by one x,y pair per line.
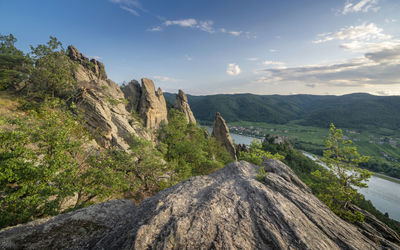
x,y
228,209
102,105
221,133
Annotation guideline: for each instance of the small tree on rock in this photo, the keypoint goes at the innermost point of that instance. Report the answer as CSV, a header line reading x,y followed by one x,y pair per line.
x,y
342,159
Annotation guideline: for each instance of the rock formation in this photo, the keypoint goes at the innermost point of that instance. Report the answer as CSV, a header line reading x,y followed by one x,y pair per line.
x,y
182,105
152,105
228,209
221,133
145,101
132,92
102,105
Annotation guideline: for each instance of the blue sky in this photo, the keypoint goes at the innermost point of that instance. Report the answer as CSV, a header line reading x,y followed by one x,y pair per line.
x,y
208,46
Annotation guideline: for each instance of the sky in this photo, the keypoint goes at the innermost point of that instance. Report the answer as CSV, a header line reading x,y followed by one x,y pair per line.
x,y
206,47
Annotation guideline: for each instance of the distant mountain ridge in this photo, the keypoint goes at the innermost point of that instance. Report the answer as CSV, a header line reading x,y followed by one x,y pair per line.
x,y
358,110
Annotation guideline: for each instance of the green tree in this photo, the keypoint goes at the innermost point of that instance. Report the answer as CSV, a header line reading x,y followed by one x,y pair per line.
x,y
14,65
342,159
256,154
187,150
44,163
53,71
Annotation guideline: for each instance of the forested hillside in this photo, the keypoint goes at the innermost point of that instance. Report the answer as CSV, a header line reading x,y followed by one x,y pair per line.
x,y
348,111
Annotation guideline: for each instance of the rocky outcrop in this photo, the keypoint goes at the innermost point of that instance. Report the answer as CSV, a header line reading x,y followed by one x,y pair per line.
x,y
145,101
132,92
93,65
221,133
101,104
373,227
228,209
182,104
241,148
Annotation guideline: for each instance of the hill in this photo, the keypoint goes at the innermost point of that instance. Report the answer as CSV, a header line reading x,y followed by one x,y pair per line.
x,y
358,111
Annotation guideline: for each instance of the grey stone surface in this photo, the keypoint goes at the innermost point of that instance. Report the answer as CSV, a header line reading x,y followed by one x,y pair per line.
x,y
228,209
182,104
221,133
102,105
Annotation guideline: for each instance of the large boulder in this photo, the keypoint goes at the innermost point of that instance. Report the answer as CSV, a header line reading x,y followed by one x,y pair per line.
x,y
221,134
182,104
102,105
228,209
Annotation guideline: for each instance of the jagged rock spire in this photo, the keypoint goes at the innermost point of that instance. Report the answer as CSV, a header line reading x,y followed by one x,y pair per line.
x,y
182,105
221,133
152,106
93,65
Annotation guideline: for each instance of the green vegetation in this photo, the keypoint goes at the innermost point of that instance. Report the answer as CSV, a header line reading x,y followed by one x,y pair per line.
x,y
47,163
14,65
53,71
43,165
324,183
187,150
256,155
356,111
376,143
342,159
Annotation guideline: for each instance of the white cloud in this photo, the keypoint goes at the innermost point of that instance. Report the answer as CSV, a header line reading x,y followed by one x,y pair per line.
x,y
166,79
374,68
235,33
188,58
130,10
134,3
157,28
273,50
390,20
206,26
360,6
183,22
274,64
252,59
233,69
370,46
363,32
232,32
129,5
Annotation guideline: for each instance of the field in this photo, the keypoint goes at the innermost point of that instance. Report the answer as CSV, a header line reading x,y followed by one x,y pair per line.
x,y
383,144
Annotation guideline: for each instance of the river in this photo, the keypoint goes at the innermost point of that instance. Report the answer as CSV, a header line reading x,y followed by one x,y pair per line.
x,y
382,191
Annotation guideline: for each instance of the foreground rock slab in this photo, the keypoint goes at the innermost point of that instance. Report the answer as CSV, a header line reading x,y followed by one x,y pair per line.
x,y
228,209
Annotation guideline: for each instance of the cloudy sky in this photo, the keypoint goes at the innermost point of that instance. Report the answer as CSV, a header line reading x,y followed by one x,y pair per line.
x,y
226,46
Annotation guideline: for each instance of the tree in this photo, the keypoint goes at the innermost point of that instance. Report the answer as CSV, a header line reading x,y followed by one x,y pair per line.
x,y
187,150
14,65
256,154
53,71
342,160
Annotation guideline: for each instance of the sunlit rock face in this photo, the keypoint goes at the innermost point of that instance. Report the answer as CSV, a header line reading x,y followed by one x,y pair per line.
x,y
182,104
221,133
101,104
146,102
